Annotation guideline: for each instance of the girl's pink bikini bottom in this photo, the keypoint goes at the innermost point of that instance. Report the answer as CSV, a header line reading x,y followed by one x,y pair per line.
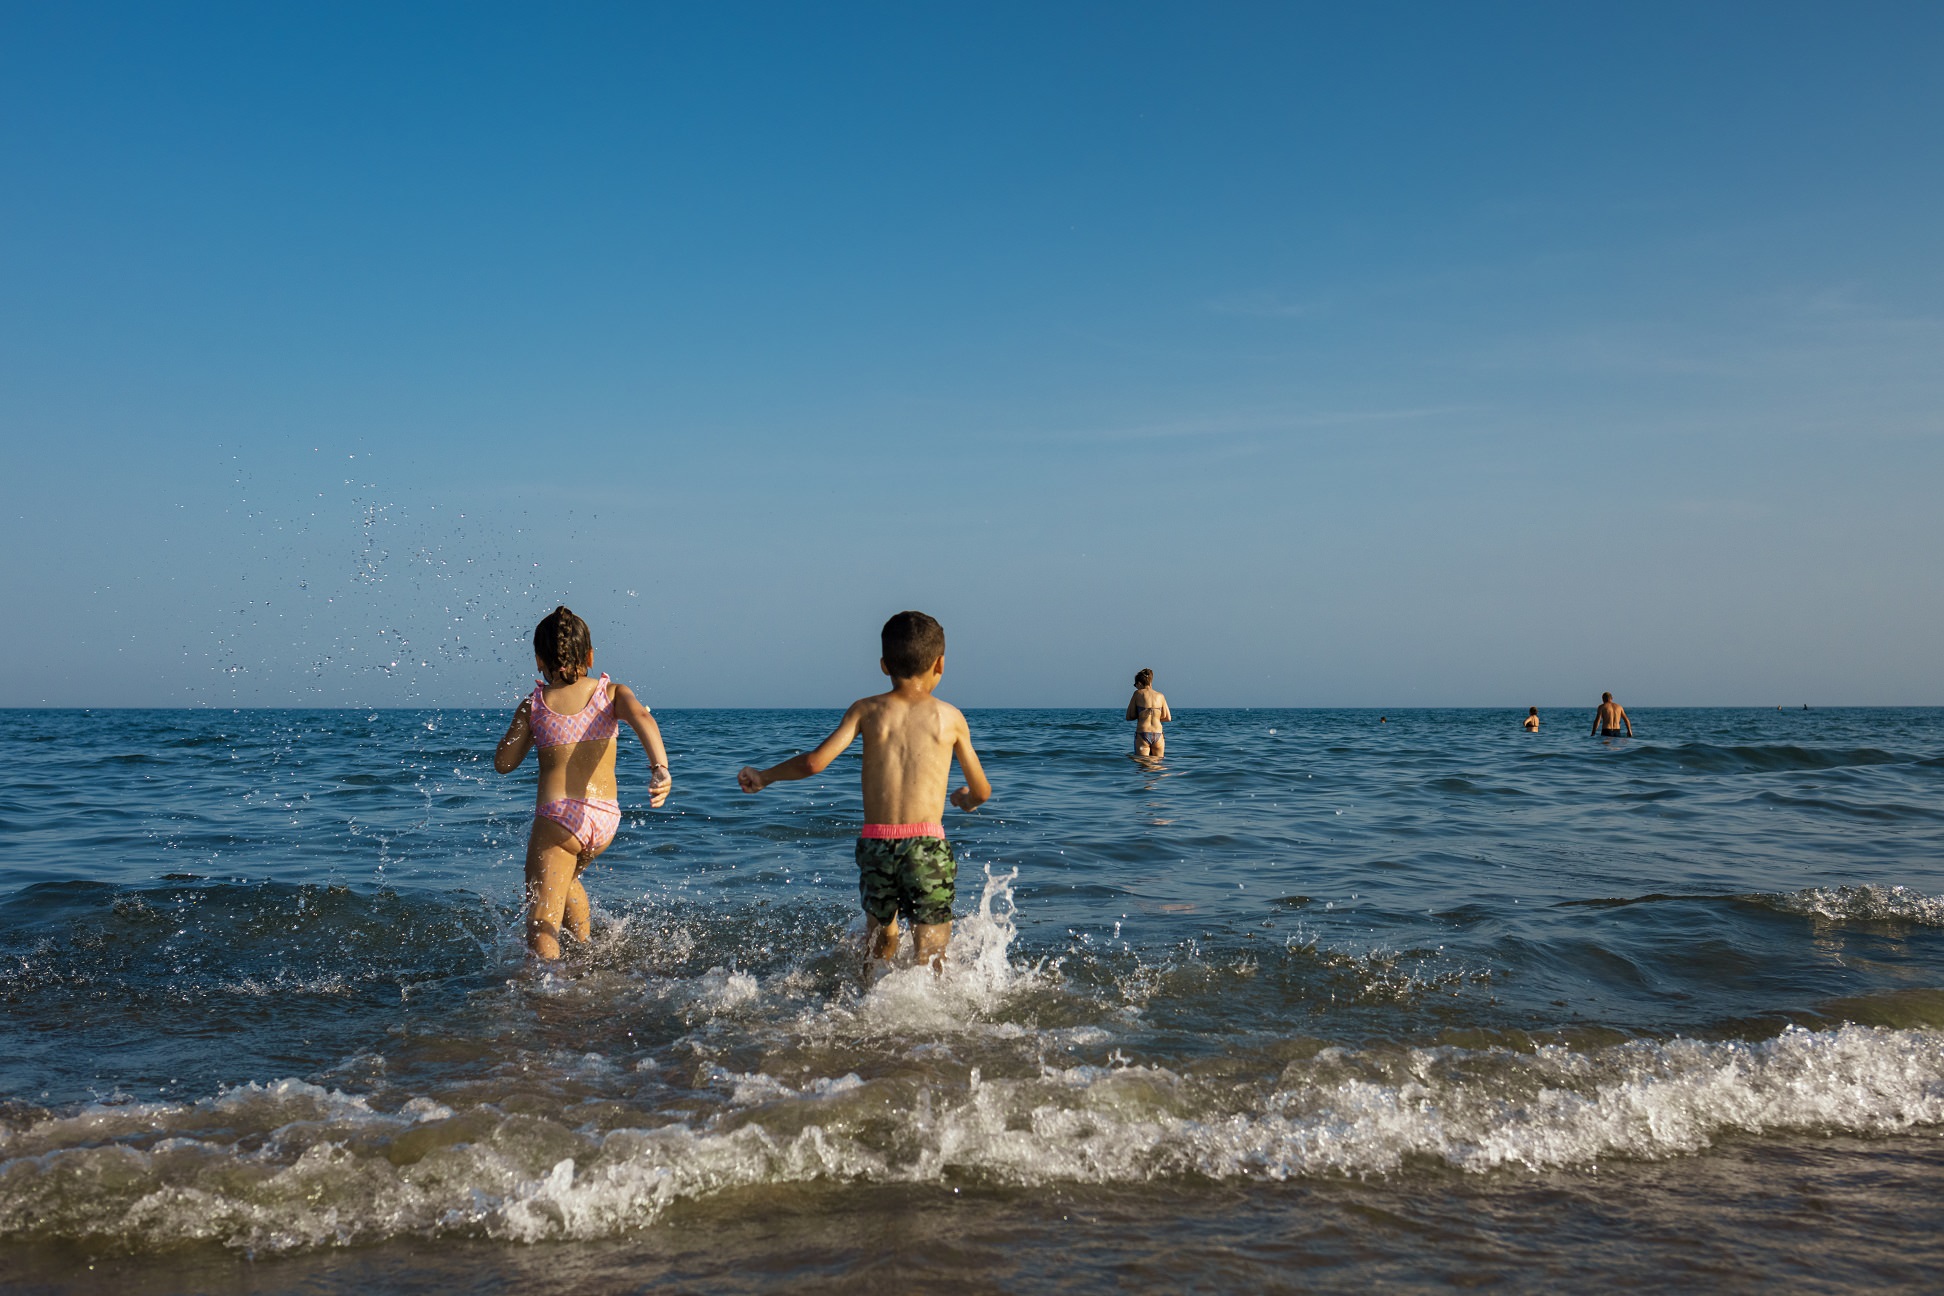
x,y
592,819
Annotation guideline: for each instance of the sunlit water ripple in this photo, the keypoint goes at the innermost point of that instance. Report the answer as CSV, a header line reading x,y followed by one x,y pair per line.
x,y
1428,1001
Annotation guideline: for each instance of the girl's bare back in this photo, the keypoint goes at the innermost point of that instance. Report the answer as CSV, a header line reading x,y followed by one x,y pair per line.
x,y
576,769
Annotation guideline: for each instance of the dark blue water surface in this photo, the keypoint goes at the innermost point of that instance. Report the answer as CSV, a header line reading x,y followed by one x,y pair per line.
x,y
1319,1003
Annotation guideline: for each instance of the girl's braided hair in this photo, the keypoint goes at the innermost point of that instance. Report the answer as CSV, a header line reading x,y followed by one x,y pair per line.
x,y
562,641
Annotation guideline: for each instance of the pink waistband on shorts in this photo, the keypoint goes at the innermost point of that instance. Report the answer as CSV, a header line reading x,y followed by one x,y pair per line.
x,y
897,832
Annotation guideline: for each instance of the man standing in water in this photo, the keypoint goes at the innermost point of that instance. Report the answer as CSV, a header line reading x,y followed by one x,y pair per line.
x,y
1148,709
1610,718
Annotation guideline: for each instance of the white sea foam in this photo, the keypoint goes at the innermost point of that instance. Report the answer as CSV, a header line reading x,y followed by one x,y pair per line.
x,y
290,1165
721,990
965,995
1862,903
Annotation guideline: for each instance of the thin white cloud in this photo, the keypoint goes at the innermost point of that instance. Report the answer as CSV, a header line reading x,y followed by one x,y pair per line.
x,y
1831,334
1260,305
1267,423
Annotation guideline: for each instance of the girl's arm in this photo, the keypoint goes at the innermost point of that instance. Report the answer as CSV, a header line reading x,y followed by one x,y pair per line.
x,y
513,748
630,709
1130,706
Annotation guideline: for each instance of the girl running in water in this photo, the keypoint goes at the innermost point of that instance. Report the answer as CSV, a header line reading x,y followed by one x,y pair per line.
x,y
571,719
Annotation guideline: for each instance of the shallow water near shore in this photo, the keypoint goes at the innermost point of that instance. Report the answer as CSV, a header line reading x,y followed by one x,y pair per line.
x,y
1318,1002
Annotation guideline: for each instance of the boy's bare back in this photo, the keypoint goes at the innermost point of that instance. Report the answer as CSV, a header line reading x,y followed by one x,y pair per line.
x,y
910,740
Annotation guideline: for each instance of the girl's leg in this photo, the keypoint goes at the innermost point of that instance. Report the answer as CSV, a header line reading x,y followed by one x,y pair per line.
x,y
553,857
578,916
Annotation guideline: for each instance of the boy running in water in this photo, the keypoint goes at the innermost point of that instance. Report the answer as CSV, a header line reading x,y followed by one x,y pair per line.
x,y
905,865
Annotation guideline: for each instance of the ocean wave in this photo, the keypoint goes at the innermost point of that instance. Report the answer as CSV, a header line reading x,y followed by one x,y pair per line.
x,y
187,937
1865,903
291,1166
1711,758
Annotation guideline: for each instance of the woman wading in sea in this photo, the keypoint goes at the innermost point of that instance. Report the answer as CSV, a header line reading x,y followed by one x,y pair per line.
x,y
1148,709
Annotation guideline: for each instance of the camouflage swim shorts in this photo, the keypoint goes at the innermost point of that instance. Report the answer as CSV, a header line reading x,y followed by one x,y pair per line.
x,y
913,876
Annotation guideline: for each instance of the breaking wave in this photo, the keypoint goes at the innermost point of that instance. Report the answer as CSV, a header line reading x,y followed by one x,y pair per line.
x,y
290,1165
1865,903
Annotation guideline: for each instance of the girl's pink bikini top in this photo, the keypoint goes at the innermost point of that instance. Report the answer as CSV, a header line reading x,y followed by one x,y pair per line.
x,y
592,723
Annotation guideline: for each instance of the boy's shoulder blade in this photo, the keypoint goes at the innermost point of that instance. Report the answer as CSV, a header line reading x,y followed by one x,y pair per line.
x,y
950,719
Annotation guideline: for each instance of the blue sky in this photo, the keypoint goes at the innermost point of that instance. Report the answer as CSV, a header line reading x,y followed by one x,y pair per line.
x,y
1311,355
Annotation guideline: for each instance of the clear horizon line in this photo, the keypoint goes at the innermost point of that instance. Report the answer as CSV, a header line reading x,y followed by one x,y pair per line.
x,y
1257,706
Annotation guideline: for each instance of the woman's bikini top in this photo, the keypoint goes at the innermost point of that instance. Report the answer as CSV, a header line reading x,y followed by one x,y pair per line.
x,y
592,723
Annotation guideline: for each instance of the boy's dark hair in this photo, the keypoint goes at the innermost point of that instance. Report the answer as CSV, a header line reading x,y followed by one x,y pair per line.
x,y
562,642
912,642
1143,677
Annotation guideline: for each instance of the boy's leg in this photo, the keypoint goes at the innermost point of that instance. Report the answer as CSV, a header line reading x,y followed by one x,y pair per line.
x,y
553,855
930,883
877,893
929,941
882,938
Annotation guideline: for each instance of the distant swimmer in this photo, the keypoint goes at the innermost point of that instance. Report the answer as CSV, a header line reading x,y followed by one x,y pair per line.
x,y
1610,720
1532,721
1148,709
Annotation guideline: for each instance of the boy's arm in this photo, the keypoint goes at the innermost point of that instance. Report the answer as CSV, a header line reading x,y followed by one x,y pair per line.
x,y
1626,722
811,762
642,721
517,742
976,791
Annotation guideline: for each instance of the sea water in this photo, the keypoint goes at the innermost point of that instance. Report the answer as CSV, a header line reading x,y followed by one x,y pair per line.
x,y
1318,1002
